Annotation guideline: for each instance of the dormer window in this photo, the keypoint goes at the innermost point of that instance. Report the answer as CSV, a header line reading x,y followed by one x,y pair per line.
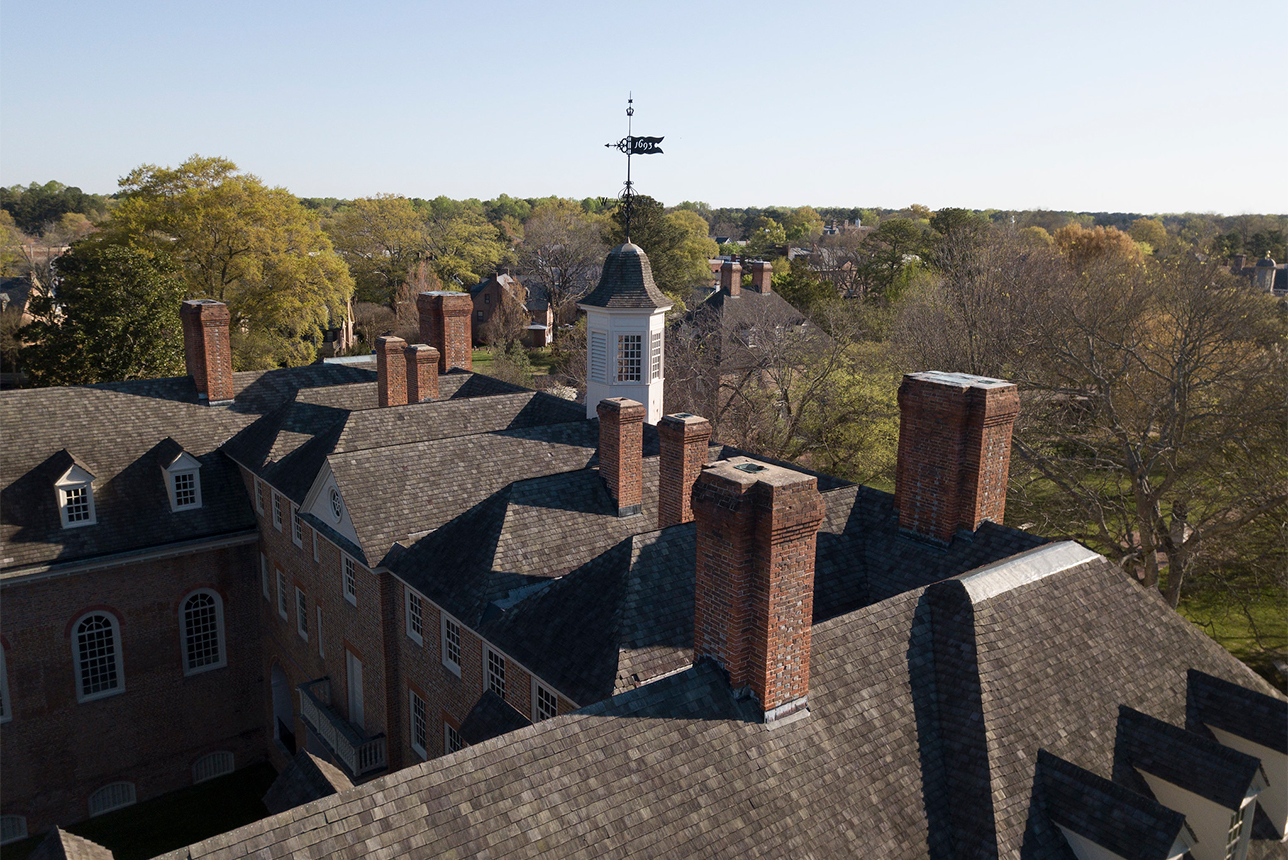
x,y
75,490
183,482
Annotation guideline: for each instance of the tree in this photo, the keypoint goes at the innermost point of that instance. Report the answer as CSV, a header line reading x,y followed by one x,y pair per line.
x,y
1149,231
252,247
1084,246
381,238
671,242
37,206
891,250
116,316
462,249
563,249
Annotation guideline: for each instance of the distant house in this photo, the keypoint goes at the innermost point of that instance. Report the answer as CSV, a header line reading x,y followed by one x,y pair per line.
x,y
1266,275
489,296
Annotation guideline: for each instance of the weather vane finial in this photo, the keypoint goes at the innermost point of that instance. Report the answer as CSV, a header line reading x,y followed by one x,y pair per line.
x,y
632,145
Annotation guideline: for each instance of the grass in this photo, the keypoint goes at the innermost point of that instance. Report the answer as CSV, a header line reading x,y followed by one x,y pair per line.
x,y
1256,633
541,359
172,820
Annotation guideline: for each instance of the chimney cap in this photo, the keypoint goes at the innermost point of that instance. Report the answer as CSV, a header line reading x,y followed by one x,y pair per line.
x,y
960,380
747,471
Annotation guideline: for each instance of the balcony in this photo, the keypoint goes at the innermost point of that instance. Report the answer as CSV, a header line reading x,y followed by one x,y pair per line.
x,y
359,753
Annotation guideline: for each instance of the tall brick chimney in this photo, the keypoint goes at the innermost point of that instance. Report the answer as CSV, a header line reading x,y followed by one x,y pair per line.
x,y
422,373
207,351
762,274
683,439
391,371
954,452
621,452
445,325
757,528
731,278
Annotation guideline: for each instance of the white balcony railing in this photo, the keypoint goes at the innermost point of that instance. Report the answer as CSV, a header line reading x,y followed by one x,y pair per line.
x,y
359,753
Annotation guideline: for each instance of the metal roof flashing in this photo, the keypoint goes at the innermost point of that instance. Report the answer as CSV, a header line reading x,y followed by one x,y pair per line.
x,y
1010,573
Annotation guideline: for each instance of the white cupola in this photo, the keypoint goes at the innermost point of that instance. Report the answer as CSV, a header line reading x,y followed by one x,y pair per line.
x,y
625,333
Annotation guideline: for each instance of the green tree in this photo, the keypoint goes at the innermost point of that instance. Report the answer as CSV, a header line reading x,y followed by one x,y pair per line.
x,y
671,242
893,250
381,238
252,247
562,248
462,249
116,316
1150,231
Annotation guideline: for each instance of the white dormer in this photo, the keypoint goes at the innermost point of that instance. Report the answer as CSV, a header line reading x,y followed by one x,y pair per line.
x,y
183,482
325,502
75,492
626,333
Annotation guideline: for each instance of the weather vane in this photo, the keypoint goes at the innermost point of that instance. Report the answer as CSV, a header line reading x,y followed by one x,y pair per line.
x,y
632,145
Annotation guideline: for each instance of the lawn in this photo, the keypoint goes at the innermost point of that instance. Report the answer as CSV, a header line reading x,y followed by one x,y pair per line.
x,y
1256,633
541,360
172,820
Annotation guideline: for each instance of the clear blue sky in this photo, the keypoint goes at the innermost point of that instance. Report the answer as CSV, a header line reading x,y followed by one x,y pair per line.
x,y
1119,106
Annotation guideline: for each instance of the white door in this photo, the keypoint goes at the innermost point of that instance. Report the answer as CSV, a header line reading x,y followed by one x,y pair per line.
x,y
354,667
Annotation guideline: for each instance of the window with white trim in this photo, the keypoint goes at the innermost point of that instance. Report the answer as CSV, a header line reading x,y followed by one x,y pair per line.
x,y
12,828
96,648
301,614
6,709
316,557
277,510
349,579
75,491
321,652
263,574
451,644
629,357
494,671
202,618
655,355
281,594
185,490
598,362
259,496
116,795
337,505
419,724
212,765
297,526
452,739
415,617
544,702
1236,847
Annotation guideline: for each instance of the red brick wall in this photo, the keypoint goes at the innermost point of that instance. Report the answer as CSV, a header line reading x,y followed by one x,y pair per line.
x,y
756,534
762,275
954,452
391,371
56,751
206,347
731,278
422,373
621,450
683,440
445,325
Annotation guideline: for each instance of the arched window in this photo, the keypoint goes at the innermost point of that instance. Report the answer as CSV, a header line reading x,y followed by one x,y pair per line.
x,y
212,765
12,828
202,621
109,797
96,647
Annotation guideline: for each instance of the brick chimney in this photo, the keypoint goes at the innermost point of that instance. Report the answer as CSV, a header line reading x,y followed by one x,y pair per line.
x,y
762,277
422,372
621,452
207,351
1237,263
683,439
391,371
445,325
731,278
954,452
757,528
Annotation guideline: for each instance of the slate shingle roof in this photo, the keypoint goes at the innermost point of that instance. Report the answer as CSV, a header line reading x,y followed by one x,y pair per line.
x,y
1218,703
306,778
491,717
626,281
680,767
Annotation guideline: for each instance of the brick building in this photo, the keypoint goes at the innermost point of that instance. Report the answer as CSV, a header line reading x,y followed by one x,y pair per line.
x,y
553,635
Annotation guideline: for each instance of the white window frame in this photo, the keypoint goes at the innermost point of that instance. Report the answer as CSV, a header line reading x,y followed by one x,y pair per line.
x,y
81,695
173,485
6,706
452,740
263,573
316,556
277,510
212,766
336,505
448,623
281,593
219,632
321,650
12,828
655,355
414,615
488,653
111,797
297,526
625,361
349,578
422,723
73,480
537,689
259,496
301,613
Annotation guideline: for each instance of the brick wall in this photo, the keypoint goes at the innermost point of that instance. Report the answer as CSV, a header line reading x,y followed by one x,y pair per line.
x,y
683,439
391,371
756,537
445,325
206,348
954,452
422,373
621,451
56,751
